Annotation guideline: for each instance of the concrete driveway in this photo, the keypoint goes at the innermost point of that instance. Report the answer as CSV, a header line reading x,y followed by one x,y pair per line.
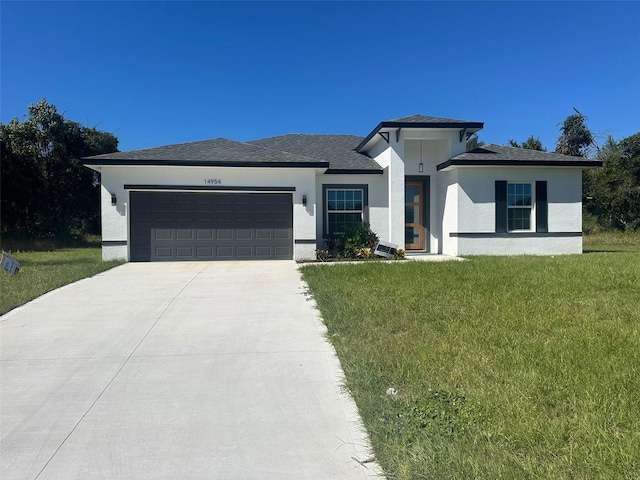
x,y
176,371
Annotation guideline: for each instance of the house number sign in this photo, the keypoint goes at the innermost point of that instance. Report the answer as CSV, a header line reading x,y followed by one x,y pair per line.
x,y
212,181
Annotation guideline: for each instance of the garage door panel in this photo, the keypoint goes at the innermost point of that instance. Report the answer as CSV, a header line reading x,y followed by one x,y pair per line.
x,y
244,251
168,226
163,252
185,234
281,251
162,234
224,252
204,234
263,234
202,252
282,234
264,251
185,252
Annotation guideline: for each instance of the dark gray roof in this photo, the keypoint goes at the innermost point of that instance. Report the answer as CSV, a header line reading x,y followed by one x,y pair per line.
x,y
422,121
217,152
338,150
496,155
427,119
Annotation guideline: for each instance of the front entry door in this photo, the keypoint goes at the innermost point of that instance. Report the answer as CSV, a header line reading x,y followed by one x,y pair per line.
x,y
413,215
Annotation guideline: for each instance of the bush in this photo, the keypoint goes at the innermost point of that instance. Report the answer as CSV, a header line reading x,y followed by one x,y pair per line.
x,y
355,239
323,255
400,254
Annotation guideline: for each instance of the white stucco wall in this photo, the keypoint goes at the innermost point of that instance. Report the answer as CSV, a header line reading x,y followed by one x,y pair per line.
x,y
475,191
396,191
448,209
380,153
520,246
402,157
115,221
377,186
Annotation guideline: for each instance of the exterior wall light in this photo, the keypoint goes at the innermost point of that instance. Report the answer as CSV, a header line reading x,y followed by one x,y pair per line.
x,y
304,200
114,200
421,167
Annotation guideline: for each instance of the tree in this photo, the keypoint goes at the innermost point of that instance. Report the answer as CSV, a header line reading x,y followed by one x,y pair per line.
x,y
612,194
530,143
474,142
46,192
576,139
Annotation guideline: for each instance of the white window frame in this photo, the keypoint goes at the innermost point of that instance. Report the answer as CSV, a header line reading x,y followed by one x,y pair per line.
x,y
531,207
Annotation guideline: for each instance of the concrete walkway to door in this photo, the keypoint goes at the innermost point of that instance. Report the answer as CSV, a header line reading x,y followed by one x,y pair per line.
x,y
176,371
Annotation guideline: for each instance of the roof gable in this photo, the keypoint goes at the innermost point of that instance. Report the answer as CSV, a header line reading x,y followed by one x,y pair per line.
x,y
422,121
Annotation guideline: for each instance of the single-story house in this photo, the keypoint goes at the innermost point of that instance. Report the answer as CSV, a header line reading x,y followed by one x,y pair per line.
x,y
281,197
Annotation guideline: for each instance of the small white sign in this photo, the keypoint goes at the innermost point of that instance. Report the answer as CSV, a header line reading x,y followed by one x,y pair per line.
x,y
9,264
385,249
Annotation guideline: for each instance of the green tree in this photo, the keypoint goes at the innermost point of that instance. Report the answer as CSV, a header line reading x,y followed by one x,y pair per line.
x,y
45,192
530,143
474,142
612,193
576,139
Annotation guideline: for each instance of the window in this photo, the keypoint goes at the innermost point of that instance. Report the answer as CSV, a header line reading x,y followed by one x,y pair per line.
x,y
344,208
519,206
514,207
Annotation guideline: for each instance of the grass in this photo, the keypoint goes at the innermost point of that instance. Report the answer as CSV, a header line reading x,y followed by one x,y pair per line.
x,y
43,271
505,367
612,242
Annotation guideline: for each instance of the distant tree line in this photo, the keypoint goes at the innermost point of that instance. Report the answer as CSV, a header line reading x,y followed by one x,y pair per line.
x,y
611,194
45,192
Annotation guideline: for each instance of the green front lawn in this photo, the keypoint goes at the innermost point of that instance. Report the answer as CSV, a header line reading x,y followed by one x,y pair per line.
x,y
42,272
611,242
505,367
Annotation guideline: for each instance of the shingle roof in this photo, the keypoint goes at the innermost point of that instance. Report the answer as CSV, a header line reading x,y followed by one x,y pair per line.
x,y
216,152
338,150
498,155
422,121
427,119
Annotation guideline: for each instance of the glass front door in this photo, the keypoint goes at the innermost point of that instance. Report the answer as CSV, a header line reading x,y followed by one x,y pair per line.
x,y
413,216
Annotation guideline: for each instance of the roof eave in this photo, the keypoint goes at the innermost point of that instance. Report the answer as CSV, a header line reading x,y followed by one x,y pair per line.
x,y
450,164
471,127
354,171
199,163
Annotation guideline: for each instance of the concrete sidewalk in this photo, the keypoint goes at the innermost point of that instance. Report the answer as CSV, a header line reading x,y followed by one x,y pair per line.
x,y
176,371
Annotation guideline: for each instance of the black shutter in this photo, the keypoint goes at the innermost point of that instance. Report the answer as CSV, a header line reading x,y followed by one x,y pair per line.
x,y
501,206
542,209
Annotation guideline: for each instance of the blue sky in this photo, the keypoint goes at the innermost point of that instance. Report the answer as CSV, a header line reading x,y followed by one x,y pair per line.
x,y
157,73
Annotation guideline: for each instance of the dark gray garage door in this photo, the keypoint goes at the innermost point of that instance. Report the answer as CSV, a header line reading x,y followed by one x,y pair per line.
x,y
169,226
